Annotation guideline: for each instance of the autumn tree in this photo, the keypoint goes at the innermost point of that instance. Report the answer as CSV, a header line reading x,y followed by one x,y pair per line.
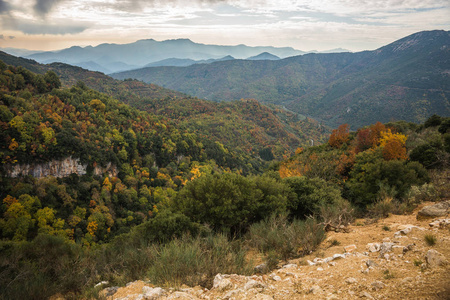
x,y
339,136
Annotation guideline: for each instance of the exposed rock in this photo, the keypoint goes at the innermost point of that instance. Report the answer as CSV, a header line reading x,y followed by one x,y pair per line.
x,y
253,284
366,295
373,247
58,168
435,259
377,285
290,266
315,289
350,248
436,210
261,268
152,293
441,223
181,295
351,280
385,248
371,263
222,284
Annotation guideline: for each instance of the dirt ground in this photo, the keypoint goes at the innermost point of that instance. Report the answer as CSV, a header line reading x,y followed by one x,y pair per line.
x,y
396,274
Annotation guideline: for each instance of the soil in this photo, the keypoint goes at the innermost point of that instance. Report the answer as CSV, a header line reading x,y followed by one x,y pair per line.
x,y
397,275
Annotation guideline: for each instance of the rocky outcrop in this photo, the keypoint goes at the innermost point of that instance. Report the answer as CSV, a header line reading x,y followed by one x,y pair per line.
x,y
57,168
440,209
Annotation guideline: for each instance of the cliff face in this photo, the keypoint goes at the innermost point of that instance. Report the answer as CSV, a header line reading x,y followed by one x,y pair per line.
x,y
57,168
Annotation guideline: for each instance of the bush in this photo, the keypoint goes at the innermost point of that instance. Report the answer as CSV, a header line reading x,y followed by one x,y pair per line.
x,y
288,239
371,172
230,202
430,239
195,261
312,194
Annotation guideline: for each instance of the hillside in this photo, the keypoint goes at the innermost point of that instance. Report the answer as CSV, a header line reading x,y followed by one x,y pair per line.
x,y
275,131
399,271
355,88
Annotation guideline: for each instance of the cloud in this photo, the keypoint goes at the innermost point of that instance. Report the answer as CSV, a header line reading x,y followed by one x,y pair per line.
x,y
34,27
4,7
43,7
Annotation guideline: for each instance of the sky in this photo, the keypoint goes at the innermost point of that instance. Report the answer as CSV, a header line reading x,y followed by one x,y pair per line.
x,y
302,24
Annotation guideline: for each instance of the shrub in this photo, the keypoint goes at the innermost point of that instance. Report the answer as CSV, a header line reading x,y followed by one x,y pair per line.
x,y
230,202
312,194
430,239
287,239
195,261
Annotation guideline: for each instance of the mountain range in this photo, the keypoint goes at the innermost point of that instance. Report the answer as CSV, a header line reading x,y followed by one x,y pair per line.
x,y
408,79
108,58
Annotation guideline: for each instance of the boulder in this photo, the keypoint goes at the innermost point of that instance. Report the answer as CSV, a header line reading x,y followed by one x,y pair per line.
x,y
439,209
221,283
435,259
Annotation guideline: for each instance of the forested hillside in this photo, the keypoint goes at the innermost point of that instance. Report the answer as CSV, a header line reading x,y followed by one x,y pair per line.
x,y
198,190
355,88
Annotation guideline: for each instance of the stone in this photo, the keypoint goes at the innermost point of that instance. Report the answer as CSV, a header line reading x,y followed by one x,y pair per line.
x,y
350,248
405,229
338,256
366,295
371,263
101,283
310,262
233,294
221,283
261,268
435,259
350,280
441,223
275,277
152,293
377,285
373,247
253,284
315,289
408,248
407,279
181,295
439,209
319,269
290,266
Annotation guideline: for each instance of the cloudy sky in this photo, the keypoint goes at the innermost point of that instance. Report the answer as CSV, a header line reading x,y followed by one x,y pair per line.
x,y
302,24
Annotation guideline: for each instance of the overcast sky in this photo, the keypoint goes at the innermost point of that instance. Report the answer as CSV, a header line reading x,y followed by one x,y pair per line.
x,y
305,25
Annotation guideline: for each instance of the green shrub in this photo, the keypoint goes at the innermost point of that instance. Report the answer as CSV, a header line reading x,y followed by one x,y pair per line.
x,y
195,261
230,202
287,239
312,194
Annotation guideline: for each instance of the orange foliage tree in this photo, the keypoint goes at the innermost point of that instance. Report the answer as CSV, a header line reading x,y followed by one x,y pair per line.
x,y
339,136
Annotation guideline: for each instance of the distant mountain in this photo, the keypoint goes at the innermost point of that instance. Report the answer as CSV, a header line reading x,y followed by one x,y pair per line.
x,y
179,62
408,79
264,56
119,57
19,52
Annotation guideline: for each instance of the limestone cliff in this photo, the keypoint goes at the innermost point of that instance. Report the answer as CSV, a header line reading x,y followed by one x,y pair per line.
x,y
57,168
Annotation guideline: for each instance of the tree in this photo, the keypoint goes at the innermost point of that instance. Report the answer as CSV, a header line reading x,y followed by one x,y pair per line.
x,y
339,136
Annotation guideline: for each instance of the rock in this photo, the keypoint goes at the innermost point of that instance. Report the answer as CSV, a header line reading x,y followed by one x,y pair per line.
x,y
290,266
101,283
435,259
152,293
373,247
253,284
408,248
407,279
315,289
310,262
337,256
319,269
441,223
350,248
262,297
385,248
351,280
405,229
275,277
261,268
371,263
366,295
377,285
233,294
221,283
432,211
109,291
181,295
